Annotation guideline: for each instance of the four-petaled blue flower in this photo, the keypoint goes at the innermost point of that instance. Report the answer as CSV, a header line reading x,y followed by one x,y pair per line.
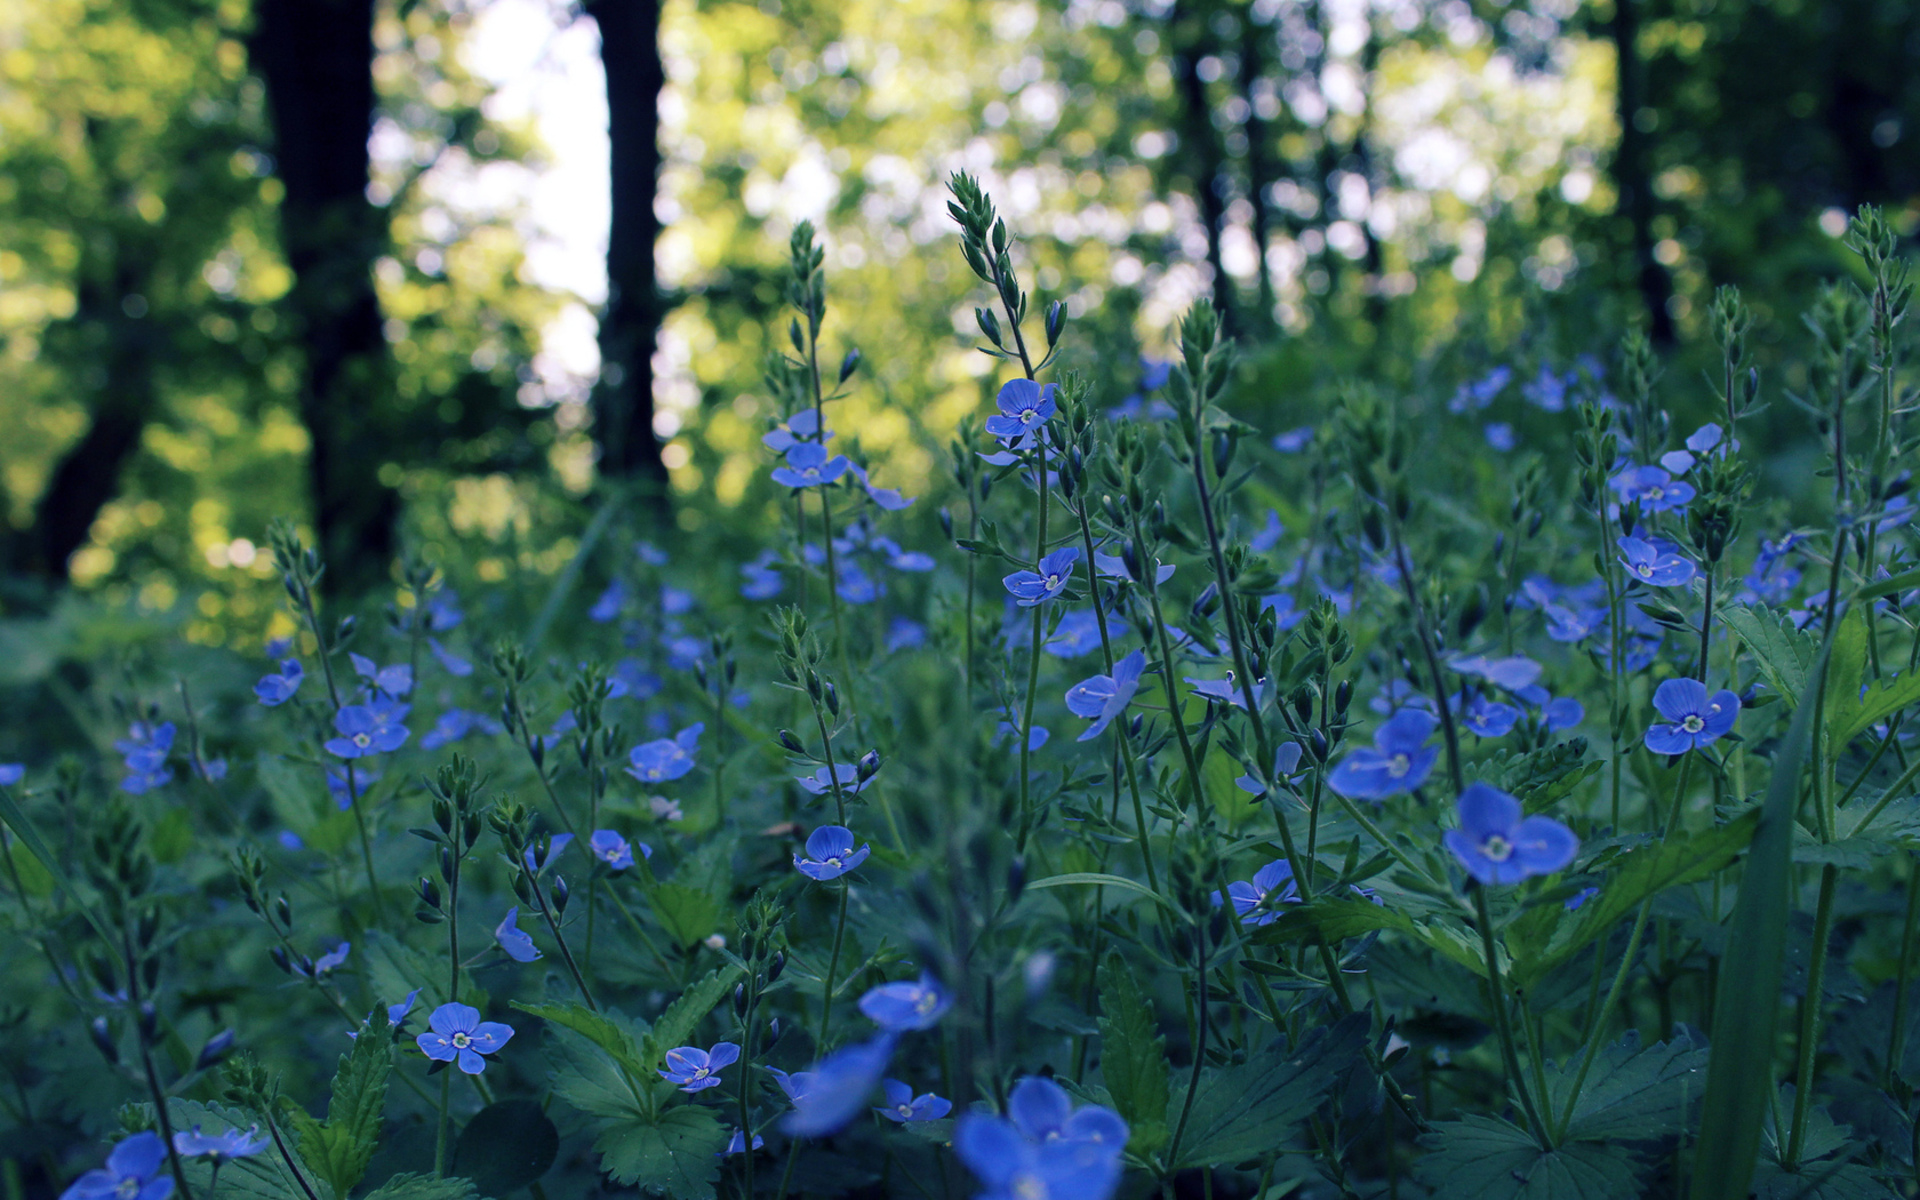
x,y
556,846
12,773
397,1013
1024,407
800,427
837,1087
146,748
1693,719
807,466
738,1144
1042,1149
1487,718
903,1106
326,964
1654,563
1656,490
220,1147
1286,761
615,851
666,758
1257,902
1104,697
1398,762
830,853
456,1034
132,1173
366,729
395,681
275,690
696,1070
517,942
899,1007
846,774
1030,588
1497,844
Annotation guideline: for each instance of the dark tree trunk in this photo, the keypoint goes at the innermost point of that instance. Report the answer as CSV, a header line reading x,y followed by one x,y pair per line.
x,y
122,347
630,323
316,57
1262,174
1205,156
1630,175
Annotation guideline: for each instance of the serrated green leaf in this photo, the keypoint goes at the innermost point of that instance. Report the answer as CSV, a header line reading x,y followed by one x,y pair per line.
x,y
1641,872
413,1187
1845,667
684,1015
1337,919
1133,1055
1489,1159
586,1077
1243,1112
395,968
258,1177
610,1031
338,1149
1634,1093
687,914
1879,704
1784,653
677,1154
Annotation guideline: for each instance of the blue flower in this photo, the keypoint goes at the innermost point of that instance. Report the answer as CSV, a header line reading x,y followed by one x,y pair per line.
x,y
903,1106
443,613
1286,761
1398,762
450,662
1267,536
615,851
275,690
1024,407
1480,393
899,1007
1496,844
1042,1149
1114,566
608,606
802,426
807,466
738,1144
366,729
830,853
763,582
904,633
695,1070
1030,588
12,773
795,1085
395,681
889,499
666,758
454,725
846,774
1257,902
1656,490
1077,633
1228,690
516,941
1499,435
326,964
1514,672
234,1143
1548,391
397,1013
1105,697
1487,718
556,845
837,1087
1581,897
1569,625
132,1173
146,748
1653,563
1693,719
1293,441
1008,730
456,1034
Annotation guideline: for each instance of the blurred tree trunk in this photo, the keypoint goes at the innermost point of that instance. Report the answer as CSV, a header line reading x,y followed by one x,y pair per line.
x,y
1206,158
1630,173
630,322
1262,172
316,57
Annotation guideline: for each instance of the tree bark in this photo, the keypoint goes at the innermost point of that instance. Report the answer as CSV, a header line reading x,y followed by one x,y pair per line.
x,y
316,57
1204,153
1261,171
1630,175
630,322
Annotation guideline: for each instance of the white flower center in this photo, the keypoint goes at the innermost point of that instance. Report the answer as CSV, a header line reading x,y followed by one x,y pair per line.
x,y
362,740
1053,581
1644,570
1497,848
460,1041
1399,765
1693,724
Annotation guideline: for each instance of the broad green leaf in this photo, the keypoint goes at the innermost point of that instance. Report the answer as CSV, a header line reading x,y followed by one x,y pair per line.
x,y
1905,581
1133,1055
687,914
258,1177
395,968
1634,1093
410,1187
1240,1113
506,1146
1879,704
338,1149
1825,1171
588,1078
1739,1080
22,828
678,1154
1337,919
684,1015
1096,879
1641,872
1845,667
1489,1159
609,1031
1784,653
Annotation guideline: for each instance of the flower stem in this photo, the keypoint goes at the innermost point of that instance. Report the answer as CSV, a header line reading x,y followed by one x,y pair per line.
x,y
1497,998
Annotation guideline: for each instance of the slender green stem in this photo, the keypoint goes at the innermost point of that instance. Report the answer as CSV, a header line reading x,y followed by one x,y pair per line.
x,y
1497,1000
1810,1012
833,969
440,1128
1897,1035
1200,1042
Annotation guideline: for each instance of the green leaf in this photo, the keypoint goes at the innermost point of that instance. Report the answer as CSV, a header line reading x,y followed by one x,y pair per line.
x,y
409,1187
339,1149
1644,871
678,1154
687,914
1489,1159
1243,1112
259,1177
1633,1093
395,968
508,1144
684,1015
22,828
610,1031
1739,1080
1905,581
1336,918
1785,654
588,1078
1098,880
1133,1055
1845,667
1878,704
